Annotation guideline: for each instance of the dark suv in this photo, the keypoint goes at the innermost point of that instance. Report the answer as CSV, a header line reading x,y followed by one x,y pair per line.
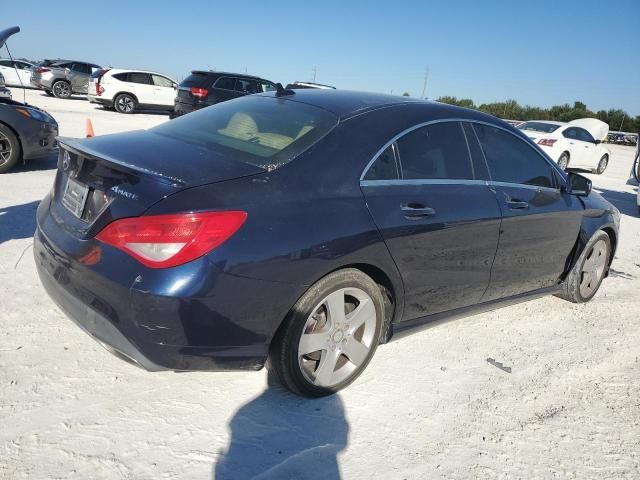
x,y
62,78
201,89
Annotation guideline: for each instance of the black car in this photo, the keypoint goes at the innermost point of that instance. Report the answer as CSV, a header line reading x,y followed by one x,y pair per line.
x,y
306,228
26,132
204,88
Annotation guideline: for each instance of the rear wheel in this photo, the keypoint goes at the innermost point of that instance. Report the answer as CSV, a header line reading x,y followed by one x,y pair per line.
x,y
602,165
563,161
124,103
10,149
61,89
587,274
330,335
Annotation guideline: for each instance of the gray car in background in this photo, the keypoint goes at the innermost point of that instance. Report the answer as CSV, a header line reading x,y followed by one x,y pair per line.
x,y
62,78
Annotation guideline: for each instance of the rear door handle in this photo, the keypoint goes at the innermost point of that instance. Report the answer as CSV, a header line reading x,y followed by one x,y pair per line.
x,y
517,204
413,210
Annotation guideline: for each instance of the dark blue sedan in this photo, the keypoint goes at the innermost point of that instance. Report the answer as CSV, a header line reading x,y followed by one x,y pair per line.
x,y
301,229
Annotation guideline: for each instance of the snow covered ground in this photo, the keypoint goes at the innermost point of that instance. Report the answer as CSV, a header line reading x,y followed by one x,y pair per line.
x,y
428,406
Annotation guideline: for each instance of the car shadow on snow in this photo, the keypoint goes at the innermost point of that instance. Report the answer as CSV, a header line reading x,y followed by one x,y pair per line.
x,y
278,435
624,201
18,221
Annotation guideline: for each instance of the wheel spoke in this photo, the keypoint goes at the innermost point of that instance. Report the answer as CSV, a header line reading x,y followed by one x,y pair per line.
x,y
360,315
355,351
324,373
335,308
312,342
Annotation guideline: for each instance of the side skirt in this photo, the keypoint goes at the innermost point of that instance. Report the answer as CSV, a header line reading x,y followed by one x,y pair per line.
x,y
402,329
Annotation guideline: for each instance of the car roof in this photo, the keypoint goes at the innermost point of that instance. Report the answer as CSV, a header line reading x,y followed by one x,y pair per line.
x,y
345,103
125,70
226,74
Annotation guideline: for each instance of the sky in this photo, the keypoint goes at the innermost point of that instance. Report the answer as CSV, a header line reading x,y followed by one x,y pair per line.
x,y
539,53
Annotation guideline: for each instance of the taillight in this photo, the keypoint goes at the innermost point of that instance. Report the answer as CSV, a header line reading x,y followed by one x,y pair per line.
x,y
199,92
42,69
162,241
99,89
547,142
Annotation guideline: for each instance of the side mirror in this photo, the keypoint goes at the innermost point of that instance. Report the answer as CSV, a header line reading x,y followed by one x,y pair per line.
x,y
578,185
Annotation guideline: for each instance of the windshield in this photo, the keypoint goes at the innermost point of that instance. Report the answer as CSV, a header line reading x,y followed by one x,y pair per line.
x,y
263,131
539,127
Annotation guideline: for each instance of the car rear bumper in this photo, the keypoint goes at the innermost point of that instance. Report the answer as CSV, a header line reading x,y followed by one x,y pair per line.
x,y
192,317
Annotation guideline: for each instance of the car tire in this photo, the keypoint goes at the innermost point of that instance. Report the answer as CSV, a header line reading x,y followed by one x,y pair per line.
x,y
602,165
342,314
563,161
10,149
49,93
124,103
61,89
587,274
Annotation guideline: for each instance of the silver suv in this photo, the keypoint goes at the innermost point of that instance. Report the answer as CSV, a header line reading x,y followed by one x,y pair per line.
x,y
62,78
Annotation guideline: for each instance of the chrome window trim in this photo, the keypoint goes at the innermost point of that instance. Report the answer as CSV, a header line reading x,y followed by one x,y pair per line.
x,y
417,182
471,121
522,185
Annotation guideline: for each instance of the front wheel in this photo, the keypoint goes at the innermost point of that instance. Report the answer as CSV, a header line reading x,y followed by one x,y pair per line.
x,y
124,103
10,150
602,165
330,334
587,274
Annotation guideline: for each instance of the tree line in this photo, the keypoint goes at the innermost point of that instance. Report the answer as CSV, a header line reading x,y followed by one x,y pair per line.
x,y
617,119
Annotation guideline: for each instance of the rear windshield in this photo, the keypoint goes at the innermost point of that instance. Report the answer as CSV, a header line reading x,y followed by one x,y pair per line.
x,y
539,127
263,131
198,80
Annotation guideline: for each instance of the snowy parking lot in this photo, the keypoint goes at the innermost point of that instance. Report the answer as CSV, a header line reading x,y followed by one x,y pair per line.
x,y
435,404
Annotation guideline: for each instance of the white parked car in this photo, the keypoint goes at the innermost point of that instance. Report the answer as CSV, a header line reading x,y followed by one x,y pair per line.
x,y
576,144
4,91
16,73
129,90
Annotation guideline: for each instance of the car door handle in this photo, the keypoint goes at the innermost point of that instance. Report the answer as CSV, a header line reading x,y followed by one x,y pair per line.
x,y
515,204
413,210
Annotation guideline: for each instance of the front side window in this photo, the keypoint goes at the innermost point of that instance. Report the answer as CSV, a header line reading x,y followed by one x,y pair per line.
x,y
246,86
384,167
584,135
437,151
80,68
262,131
267,86
160,81
5,63
511,159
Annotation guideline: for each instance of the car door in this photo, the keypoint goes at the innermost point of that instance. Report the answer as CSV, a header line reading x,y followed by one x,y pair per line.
x,y
79,77
438,220
164,92
591,151
540,221
141,85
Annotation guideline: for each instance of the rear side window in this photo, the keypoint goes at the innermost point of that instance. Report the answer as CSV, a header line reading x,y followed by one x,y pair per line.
x,y
511,159
225,83
437,151
139,77
262,131
81,68
384,167
121,76
245,85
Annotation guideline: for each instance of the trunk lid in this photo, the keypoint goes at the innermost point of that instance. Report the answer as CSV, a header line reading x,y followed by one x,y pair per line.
x,y
104,178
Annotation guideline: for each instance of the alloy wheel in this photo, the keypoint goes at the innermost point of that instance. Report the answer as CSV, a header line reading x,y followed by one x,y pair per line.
x,y
125,104
563,161
5,149
62,90
602,166
337,337
593,268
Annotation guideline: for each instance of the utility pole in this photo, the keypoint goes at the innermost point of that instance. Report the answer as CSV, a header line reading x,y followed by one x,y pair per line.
x,y
426,78
314,74
620,129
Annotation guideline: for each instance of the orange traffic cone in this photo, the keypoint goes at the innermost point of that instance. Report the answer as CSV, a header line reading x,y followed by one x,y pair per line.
x,y
90,132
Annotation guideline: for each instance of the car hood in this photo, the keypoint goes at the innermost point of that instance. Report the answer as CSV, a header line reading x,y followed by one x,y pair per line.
x,y
6,33
597,128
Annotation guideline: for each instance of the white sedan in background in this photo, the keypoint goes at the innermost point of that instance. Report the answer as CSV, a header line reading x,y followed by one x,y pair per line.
x,y
576,144
129,90
16,73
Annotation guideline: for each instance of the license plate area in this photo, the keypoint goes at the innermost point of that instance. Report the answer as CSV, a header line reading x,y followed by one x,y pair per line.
x,y
75,196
